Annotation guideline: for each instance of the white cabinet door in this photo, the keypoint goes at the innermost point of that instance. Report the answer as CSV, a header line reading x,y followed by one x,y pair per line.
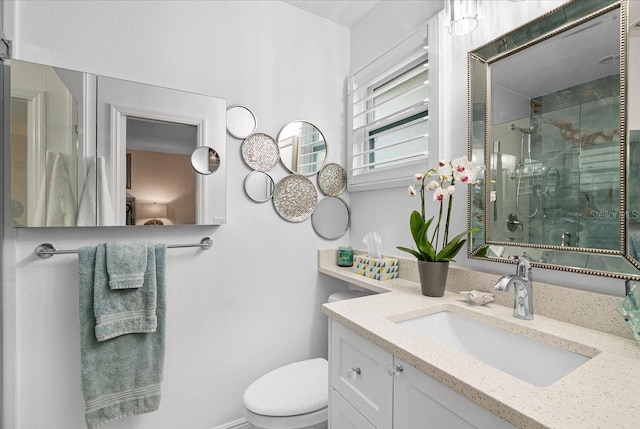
x,y
358,371
420,402
343,416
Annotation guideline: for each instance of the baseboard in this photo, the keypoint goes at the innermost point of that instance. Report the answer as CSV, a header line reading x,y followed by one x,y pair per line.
x,y
236,424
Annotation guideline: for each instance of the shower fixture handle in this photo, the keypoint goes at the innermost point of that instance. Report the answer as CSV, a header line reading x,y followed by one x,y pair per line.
x,y
513,223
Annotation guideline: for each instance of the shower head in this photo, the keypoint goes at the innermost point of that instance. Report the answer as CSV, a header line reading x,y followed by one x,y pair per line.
x,y
529,130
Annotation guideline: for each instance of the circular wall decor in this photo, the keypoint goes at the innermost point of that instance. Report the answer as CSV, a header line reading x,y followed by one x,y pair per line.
x,y
260,151
331,218
295,198
303,148
258,186
241,121
332,179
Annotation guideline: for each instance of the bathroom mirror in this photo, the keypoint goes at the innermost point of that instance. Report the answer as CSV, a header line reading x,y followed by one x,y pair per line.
x,y
547,120
205,160
258,186
90,150
331,218
241,122
46,133
303,148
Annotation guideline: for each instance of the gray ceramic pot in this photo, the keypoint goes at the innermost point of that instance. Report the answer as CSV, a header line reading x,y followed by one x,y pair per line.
x,y
433,277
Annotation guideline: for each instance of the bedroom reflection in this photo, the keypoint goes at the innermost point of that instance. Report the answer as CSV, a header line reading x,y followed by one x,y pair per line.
x,y
161,184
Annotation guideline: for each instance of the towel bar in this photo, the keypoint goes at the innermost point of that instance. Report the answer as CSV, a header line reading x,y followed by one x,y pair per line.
x,y
46,250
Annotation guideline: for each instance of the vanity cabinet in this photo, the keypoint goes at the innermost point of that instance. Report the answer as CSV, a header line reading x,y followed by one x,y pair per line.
x,y
372,389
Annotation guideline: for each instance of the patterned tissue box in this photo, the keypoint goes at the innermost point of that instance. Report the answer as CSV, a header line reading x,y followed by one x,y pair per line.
x,y
374,268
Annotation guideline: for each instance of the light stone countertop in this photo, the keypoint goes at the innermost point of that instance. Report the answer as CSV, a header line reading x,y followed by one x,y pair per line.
x,y
602,393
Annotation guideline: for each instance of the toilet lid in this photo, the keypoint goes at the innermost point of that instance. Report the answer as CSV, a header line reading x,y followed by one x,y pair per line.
x,y
297,388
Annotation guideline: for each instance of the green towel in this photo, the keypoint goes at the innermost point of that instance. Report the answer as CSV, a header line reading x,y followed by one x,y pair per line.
x,y
124,311
120,377
126,264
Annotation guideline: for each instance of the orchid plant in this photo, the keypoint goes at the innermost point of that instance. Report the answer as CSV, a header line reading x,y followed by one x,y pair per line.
x,y
436,246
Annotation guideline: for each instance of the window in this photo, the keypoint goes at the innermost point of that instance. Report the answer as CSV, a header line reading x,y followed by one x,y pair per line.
x,y
392,114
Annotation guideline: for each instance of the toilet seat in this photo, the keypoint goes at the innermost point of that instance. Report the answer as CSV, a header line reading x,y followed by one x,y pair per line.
x,y
292,390
315,420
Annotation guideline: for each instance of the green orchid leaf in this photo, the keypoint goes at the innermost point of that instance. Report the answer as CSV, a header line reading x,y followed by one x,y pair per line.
x,y
416,222
424,245
449,252
453,247
417,255
482,251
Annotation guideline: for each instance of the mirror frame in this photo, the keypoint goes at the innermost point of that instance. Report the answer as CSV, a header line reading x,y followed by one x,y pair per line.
x,y
527,35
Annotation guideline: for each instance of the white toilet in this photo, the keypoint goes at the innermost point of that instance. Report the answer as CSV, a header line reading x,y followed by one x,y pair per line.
x,y
294,396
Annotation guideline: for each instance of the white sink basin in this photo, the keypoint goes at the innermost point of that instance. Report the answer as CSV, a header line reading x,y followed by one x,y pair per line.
x,y
528,359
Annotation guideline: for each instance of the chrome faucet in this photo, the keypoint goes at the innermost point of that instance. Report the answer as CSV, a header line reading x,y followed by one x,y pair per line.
x,y
523,285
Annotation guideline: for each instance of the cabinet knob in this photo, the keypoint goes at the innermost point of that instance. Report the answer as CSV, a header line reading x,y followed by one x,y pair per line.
x,y
352,373
395,370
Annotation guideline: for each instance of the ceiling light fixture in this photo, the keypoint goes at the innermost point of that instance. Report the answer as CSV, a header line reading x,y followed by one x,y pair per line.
x,y
462,16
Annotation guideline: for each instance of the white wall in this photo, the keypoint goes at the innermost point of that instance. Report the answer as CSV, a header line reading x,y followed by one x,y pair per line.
x,y
497,17
246,306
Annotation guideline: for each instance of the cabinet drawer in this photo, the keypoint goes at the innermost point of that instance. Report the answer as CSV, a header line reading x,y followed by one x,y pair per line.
x,y
343,416
358,371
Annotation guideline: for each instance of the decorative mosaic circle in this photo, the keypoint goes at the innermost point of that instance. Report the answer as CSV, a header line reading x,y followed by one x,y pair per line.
x,y
332,180
295,198
260,152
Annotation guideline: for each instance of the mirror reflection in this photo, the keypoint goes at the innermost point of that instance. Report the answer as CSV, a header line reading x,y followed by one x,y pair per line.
x,y
259,186
241,122
45,132
331,218
205,160
555,125
90,150
547,119
303,149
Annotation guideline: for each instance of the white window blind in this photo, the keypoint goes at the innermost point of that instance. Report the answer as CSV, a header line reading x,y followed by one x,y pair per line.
x,y
391,113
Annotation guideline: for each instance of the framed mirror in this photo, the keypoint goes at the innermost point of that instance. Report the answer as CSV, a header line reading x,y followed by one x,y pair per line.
x,y
91,150
332,218
303,149
205,160
259,186
241,122
547,119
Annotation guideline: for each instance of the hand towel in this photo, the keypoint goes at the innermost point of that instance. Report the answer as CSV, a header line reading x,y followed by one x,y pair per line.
x,y
124,311
96,207
120,377
56,205
126,264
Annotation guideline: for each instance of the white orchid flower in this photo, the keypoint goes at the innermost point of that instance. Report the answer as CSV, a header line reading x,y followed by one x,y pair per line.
x,y
418,177
465,171
433,185
412,190
451,189
440,195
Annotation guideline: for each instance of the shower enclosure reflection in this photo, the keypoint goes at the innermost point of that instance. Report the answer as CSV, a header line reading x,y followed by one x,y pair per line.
x,y
555,167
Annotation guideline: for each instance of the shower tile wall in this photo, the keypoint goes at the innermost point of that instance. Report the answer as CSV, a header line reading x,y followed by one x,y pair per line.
x,y
578,145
